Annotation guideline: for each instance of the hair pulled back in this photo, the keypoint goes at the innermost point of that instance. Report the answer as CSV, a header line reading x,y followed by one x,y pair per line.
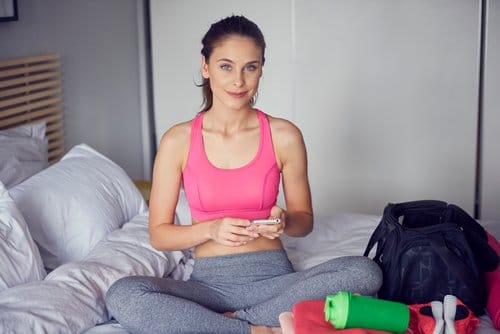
x,y
231,25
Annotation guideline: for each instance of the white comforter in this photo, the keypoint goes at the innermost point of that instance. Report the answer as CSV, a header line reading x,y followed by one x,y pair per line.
x,y
70,299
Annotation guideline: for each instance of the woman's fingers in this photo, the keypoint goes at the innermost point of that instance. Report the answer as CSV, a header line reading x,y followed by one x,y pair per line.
x,y
270,231
234,232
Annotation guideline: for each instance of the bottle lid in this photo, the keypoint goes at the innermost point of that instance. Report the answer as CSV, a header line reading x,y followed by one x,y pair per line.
x,y
336,309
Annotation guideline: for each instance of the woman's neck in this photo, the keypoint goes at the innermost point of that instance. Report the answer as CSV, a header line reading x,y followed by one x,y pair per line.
x,y
226,120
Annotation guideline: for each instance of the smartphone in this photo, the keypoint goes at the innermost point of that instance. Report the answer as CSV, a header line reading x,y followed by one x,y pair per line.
x,y
266,221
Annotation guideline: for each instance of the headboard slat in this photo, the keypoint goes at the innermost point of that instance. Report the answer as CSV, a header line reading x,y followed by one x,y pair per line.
x,y
31,117
31,87
28,69
54,135
55,144
52,127
56,154
31,97
29,60
32,106
30,92
28,79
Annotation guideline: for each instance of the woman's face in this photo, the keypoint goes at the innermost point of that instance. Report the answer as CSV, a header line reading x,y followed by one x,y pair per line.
x,y
234,70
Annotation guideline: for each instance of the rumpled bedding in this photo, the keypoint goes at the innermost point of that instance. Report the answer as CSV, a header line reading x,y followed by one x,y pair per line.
x,y
71,298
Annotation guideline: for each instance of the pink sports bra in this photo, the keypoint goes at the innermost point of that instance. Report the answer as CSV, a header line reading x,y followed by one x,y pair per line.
x,y
247,192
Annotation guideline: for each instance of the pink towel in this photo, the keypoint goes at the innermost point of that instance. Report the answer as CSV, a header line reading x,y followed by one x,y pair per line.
x,y
493,285
309,317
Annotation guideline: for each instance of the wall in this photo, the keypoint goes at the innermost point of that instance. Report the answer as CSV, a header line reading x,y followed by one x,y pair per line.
x,y
490,195
392,88
369,82
178,27
98,42
385,93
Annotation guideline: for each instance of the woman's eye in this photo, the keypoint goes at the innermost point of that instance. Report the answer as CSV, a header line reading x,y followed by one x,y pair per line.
x,y
225,67
251,68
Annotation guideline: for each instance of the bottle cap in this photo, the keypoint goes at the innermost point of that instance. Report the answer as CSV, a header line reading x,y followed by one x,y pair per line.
x,y
336,309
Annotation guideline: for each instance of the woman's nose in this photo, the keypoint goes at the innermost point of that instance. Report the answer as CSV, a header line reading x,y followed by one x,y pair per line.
x,y
238,80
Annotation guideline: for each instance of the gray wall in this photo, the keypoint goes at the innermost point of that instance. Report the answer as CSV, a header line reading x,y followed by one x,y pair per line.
x,y
368,65
490,196
98,42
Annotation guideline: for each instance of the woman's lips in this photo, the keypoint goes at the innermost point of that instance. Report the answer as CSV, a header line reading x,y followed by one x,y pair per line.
x,y
237,95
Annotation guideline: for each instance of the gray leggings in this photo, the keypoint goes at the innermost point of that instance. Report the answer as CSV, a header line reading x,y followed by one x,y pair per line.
x,y
257,286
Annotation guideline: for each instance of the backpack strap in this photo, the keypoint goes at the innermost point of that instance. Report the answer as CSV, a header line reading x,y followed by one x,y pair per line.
x,y
485,256
384,227
376,236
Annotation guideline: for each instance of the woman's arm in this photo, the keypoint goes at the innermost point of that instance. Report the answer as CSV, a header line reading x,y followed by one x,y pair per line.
x,y
167,173
292,158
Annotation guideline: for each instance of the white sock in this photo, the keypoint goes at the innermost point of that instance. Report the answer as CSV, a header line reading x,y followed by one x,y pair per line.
x,y
450,308
437,313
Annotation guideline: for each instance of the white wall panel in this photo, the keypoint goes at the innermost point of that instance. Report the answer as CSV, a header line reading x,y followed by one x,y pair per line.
x,y
177,29
491,116
386,96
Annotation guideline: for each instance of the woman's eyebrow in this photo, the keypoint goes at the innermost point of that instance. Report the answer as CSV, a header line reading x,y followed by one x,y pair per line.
x,y
227,60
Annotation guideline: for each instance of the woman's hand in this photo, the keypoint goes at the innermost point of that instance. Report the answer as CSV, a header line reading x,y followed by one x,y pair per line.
x,y
232,232
271,231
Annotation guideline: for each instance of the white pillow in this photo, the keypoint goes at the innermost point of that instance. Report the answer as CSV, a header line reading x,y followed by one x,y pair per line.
x,y
182,210
76,202
23,153
20,260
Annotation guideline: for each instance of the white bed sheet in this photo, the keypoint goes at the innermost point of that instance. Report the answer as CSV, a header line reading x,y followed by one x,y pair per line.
x,y
71,298
76,290
338,235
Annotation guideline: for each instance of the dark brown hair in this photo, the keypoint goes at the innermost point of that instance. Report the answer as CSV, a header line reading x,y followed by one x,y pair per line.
x,y
232,25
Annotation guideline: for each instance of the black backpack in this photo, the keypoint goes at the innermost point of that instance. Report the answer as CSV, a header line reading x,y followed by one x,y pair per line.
x,y
428,249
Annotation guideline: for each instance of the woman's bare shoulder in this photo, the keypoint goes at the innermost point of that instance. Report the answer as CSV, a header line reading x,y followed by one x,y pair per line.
x,y
176,135
174,145
283,130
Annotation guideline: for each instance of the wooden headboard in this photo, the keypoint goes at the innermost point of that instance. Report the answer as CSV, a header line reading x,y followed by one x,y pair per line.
x,y
30,92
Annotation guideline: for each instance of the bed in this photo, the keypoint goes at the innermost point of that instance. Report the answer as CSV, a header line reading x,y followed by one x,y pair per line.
x,y
72,222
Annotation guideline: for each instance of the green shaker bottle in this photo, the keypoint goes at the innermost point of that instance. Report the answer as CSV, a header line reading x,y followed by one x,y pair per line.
x,y
345,310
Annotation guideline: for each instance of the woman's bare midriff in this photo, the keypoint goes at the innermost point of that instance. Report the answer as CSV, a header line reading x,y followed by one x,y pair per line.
x,y
212,248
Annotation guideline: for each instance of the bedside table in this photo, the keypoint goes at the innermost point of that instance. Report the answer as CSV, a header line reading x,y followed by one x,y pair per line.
x,y
144,187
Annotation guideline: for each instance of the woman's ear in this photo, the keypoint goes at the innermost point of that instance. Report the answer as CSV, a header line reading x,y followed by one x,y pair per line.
x,y
204,68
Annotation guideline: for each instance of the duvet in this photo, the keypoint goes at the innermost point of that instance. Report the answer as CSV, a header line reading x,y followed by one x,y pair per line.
x,y
71,298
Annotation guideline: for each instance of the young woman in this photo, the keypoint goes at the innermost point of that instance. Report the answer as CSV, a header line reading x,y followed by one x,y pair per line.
x,y
230,159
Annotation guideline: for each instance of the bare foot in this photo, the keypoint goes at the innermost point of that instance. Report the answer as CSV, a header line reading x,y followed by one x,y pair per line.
x,y
230,315
286,322
265,330
258,329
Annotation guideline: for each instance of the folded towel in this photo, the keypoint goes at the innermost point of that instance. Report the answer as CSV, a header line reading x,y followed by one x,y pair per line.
x,y
422,318
309,317
492,280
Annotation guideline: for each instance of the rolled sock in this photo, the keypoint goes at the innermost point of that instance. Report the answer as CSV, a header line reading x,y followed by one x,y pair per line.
x,y
437,313
450,308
